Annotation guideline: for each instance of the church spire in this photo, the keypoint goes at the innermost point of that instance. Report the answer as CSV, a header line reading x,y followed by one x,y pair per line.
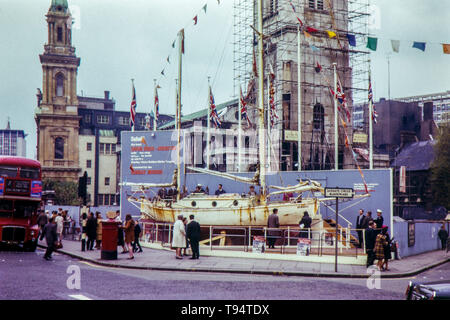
x,y
59,6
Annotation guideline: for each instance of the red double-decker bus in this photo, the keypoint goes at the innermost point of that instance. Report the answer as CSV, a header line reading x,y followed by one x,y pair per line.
x,y
20,199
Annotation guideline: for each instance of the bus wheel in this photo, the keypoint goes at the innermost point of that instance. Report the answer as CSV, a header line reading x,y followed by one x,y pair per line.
x,y
30,246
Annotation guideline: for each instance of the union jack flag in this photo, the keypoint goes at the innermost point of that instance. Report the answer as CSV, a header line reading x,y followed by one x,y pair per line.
x,y
156,103
214,116
244,114
273,112
133,108
340,96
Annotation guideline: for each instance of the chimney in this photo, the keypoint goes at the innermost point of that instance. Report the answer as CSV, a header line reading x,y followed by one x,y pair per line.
x,y
428,111
106,95
407,137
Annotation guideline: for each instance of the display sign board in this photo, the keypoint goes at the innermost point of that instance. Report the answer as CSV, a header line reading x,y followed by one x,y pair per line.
x,y
359,137
290,135
259,244
339,192
303,247
411,234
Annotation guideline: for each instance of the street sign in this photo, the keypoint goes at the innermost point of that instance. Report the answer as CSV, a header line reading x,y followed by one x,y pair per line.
x,y
339,192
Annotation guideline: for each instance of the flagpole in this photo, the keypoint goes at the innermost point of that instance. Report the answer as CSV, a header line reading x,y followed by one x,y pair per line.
x,y
370,125
240,129
336,129
299,94
178,120
208,127
269,120
262,150
154,116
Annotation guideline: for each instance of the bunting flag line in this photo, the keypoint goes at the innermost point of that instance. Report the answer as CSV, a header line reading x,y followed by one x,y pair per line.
x,y
244,114
372,43
213,113
133,106
446,48
295,13
395,45
419,45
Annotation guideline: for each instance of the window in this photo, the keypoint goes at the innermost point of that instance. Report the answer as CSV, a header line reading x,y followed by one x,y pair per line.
x,y
100,199
315,4
124,121
89,146
102,148
59,85
59,31
87,118
106,202
113,148
141,122
103,119
88,181
88,163
106,181
318,117
107,148
59,148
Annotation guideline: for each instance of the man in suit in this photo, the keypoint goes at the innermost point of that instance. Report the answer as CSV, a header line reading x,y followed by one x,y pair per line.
x,y
370,238
193,233
273,222
360,222
49,232
220,190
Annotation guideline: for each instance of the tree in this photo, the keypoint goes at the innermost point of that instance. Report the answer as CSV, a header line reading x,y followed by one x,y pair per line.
x,y
440,171
66,192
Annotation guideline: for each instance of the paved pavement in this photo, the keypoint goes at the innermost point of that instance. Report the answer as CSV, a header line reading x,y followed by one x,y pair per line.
x,y
156,257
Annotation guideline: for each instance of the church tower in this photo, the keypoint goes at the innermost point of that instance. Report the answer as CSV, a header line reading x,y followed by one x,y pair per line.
x,y
57,117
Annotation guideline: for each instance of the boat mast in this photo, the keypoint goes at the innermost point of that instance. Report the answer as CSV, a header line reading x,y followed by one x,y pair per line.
x,y
178,113
262,147
208,126
299,94
336,130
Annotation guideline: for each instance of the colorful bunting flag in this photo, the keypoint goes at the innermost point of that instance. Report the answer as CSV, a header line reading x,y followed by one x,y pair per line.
x,y
311,29
331,34
314,48
182,40
372,43
255,69
318,67
446,48
273,113
351,39
370,97
156,103
195,20
395,45
307,35
204,7
419,45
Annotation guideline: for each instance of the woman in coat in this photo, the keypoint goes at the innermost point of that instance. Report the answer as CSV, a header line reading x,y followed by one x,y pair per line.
x,y
387,249
129,234
179,236
380,243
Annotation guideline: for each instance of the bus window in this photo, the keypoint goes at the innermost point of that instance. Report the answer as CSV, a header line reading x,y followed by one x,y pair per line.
x,y
29,173
6,208
24,209
9,172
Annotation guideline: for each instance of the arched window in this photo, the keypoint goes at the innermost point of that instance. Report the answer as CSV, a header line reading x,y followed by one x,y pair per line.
x,y
318,117
59,85
59,148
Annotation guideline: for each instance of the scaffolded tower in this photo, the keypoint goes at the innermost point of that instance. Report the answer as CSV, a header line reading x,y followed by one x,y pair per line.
x,y
323,41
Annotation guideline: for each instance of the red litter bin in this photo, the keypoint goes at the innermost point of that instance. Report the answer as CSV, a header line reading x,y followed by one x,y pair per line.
x,y
109,240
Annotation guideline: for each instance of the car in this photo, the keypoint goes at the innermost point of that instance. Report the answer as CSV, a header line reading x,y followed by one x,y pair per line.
x,y
437,290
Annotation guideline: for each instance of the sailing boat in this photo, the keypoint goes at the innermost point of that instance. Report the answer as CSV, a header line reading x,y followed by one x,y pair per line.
x,y
233,209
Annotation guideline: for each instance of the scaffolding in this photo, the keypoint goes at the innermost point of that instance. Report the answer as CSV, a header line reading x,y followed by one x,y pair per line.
x,y
318,48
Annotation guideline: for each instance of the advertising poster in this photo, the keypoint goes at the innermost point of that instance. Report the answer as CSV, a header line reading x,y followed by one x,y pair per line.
x,y
303,247
259,244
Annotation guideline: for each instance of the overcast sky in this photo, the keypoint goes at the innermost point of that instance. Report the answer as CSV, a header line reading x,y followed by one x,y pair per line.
x,y
122,39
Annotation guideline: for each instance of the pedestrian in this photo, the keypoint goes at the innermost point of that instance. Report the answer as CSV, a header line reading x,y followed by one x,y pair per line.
x,y
220,190
120,239
137,235
83,224
185,222
51,237
305,225
252,192
59,220
272,223
370,237
379,220
359,226
42,220
193,233
380,243
288,196
98,239
179,236
91,231
387,249
129,234
443,236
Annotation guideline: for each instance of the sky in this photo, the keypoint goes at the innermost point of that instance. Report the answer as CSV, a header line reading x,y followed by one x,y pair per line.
x,y
120,40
